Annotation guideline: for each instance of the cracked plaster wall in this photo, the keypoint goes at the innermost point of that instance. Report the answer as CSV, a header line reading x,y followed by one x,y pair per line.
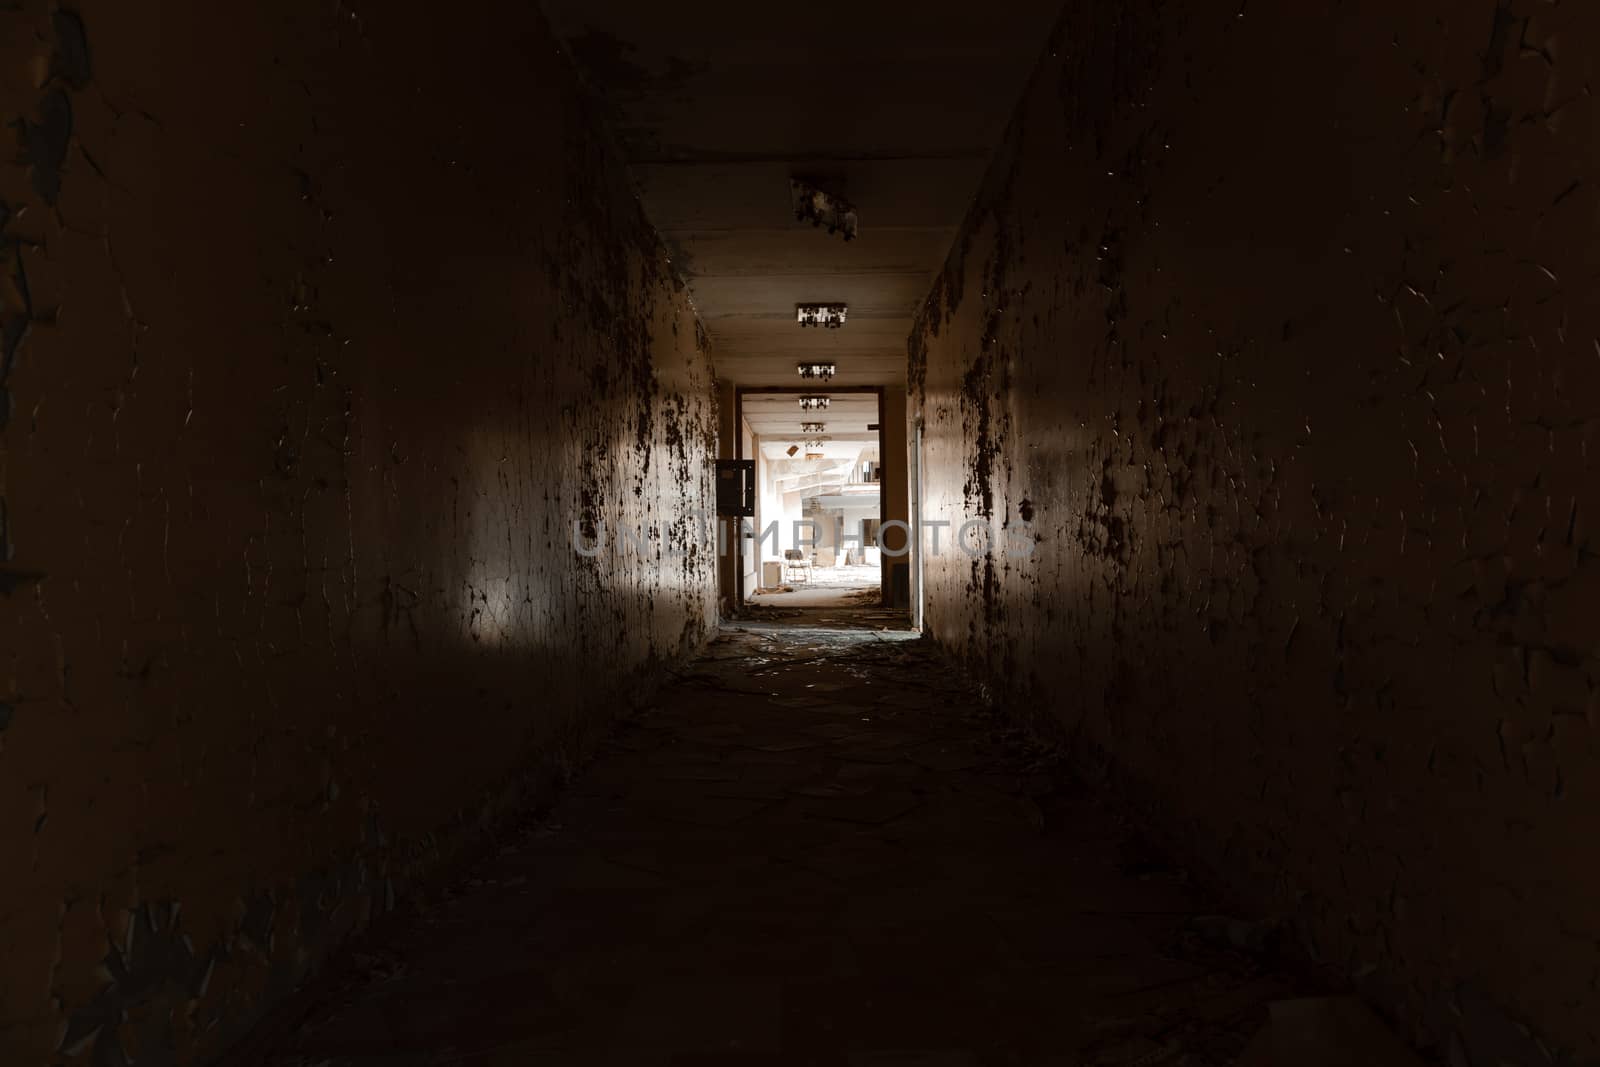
x,y
1281,325
321,327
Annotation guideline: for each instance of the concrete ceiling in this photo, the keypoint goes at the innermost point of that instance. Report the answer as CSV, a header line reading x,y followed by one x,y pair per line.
x,y
846,452
895,105
778,417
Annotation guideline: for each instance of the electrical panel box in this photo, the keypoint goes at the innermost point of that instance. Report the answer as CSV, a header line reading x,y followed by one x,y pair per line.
x,y
736,487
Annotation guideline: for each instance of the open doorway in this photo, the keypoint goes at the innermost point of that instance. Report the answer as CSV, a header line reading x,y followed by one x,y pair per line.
x,y
819,500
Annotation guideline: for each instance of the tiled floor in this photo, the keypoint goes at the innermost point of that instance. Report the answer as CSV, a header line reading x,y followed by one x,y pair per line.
x,y
816,849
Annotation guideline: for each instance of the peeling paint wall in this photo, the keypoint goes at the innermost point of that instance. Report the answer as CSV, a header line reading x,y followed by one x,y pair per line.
x,y
322,326
1280,324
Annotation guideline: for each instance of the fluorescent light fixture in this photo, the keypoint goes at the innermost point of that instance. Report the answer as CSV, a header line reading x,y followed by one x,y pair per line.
x,y
830,315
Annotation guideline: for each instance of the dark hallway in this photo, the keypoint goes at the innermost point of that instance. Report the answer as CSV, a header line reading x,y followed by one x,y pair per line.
x,y
940,534
814,848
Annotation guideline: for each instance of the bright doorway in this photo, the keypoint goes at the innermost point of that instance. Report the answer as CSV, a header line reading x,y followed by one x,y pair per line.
x,y
819,500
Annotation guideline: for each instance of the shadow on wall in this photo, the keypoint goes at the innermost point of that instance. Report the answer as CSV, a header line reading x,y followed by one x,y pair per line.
x,y
1285,343
311,371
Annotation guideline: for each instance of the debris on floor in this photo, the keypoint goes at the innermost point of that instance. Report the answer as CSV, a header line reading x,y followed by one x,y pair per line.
x,y
1326,1032
1253,936
817,848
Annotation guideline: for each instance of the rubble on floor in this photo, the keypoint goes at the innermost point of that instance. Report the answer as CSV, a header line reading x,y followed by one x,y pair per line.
x,y
1326,1032
817,848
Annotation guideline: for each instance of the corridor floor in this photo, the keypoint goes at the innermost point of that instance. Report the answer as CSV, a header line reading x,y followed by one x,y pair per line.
x,y
816,848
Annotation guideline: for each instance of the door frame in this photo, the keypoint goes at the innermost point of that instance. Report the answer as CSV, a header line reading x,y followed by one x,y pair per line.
x,y
916,524
739,392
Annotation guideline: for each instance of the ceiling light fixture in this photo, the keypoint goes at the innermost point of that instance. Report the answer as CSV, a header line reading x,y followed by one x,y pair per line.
x,y
822,209
829,315
822,372
814,403
813,427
